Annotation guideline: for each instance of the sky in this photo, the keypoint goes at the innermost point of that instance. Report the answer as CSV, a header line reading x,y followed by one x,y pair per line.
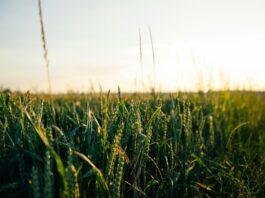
x,y
206,44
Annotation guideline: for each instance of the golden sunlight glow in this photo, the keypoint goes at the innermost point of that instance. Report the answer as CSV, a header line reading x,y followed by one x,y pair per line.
x,y
197,44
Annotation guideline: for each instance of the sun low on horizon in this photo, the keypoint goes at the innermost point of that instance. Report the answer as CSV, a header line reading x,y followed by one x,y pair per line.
x,y
172,45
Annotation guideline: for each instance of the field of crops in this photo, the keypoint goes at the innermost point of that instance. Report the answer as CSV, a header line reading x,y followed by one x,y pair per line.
x,y
132,145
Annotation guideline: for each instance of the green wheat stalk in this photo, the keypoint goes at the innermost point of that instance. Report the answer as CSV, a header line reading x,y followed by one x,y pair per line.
x,y
48,175
118,177
35,182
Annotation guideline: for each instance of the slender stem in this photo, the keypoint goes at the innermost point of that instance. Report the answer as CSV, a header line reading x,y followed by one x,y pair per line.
x,y
44,45
153,56
141,57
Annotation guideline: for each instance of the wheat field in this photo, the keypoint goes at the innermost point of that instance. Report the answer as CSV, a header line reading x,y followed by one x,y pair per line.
x,y
132,145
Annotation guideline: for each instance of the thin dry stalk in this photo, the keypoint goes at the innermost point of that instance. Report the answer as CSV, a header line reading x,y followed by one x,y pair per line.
x,y
141,57
153,56
44,45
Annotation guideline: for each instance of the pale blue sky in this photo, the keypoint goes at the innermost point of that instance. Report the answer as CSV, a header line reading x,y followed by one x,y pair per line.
x,y
97,42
